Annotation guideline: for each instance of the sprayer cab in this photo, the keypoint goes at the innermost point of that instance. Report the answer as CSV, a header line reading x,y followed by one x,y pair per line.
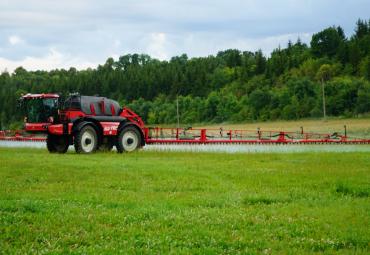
x,y
39,111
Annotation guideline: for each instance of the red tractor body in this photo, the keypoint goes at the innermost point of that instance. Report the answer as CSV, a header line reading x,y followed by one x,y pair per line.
x,y
87,122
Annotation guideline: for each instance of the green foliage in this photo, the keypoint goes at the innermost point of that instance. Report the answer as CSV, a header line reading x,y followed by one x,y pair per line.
x,y
363,98
365,68
327,42
16,125
183,203
232,86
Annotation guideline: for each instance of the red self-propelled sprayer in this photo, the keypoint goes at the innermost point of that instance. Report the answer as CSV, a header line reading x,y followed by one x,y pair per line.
x,y
87,122
92,123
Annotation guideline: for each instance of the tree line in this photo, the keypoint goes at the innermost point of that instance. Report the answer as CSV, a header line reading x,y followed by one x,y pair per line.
x,y
232,86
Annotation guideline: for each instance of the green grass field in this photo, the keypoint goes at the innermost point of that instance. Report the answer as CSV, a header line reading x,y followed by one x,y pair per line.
x,y
184,203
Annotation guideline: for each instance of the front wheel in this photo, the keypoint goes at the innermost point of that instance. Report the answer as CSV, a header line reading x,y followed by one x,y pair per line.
x,y
86,140
57,143
129,139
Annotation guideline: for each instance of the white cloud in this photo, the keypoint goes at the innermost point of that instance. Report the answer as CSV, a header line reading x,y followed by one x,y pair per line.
x,y
13,40
157,46
117,43
203,44
52,60
87,32
269,43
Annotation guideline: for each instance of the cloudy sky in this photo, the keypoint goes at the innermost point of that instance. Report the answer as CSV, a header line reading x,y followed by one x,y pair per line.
x,y
49,34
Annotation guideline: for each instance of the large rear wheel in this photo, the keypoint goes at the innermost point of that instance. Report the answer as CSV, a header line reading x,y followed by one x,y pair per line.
x,y
57,143
86,140
129,139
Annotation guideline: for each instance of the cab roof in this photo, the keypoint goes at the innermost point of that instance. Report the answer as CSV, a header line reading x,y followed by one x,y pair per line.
x,y
34,96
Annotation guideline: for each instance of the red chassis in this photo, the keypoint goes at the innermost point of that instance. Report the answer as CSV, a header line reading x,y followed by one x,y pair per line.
x,y
108,128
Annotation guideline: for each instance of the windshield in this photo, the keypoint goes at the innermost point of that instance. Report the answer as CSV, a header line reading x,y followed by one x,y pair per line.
x,y
39,110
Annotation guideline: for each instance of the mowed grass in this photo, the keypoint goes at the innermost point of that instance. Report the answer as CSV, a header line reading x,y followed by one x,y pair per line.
x,y
184,203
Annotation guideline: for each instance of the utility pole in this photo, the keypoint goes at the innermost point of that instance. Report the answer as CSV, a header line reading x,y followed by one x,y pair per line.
x,y
323,98
177,111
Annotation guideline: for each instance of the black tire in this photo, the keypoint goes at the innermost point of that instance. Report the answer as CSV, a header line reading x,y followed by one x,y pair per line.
x,y
129,139
50,144
57,143
86,140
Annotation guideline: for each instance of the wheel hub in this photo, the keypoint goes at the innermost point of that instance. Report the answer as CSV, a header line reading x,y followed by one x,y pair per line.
x,y
130,141
88,141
